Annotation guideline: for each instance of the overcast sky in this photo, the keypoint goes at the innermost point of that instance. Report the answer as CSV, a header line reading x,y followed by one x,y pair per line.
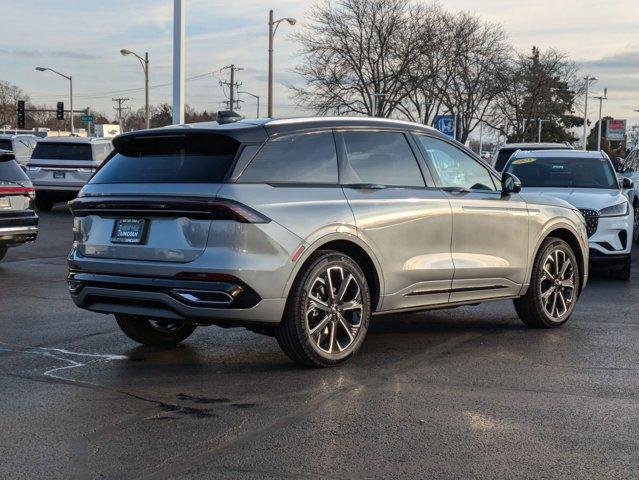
x,y
83,38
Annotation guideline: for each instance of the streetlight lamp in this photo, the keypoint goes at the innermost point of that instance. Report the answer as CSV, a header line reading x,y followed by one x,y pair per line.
x,y
601,98
257,97
587,80
68,77
272,29
145,66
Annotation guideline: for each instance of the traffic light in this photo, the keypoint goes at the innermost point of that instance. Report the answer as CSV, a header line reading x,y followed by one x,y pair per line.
x,y
59,112
21,114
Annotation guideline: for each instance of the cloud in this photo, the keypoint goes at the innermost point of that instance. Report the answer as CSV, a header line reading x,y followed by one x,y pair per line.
x,y
622,62
54,53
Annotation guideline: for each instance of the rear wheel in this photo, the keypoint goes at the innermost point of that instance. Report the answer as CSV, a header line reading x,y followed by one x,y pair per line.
x,y
327,313
44,201
154,332
554,286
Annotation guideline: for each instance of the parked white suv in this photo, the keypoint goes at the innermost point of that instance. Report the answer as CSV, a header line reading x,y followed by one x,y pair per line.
x,y
586,180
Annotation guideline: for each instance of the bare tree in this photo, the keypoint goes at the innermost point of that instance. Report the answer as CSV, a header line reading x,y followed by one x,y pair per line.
x,y
357,56
9,96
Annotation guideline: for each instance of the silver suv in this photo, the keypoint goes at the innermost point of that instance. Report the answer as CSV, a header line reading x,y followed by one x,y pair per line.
x,y
306,228
60,166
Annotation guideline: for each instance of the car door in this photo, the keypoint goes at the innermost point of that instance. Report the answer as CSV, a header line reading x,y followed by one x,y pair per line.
x,y
400,214
490,230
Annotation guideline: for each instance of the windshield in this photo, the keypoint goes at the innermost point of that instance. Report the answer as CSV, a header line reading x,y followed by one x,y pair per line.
x,y
563,172
63,151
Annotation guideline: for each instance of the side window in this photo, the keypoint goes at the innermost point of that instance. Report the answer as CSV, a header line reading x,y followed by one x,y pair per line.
x,y
298,158
455,168
383,158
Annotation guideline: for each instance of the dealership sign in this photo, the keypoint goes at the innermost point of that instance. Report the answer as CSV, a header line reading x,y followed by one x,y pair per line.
x,y
616,130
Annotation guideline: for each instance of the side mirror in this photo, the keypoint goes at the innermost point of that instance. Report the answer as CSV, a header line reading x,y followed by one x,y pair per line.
x,y
627,183
509,184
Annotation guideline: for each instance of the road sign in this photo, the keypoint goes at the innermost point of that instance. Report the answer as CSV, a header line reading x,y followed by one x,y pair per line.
x,y
616,130
445,124
87,118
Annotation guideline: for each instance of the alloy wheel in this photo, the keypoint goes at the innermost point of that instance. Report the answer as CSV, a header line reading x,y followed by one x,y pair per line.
x,y
557,285
333,310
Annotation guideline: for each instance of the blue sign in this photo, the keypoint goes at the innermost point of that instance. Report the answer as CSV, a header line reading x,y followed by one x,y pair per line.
x,y
445,124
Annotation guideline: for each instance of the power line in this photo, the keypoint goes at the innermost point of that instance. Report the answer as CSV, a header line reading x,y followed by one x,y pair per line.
x,y
233,86
120,101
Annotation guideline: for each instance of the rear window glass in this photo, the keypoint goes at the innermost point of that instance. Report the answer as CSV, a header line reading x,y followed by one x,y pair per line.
x,y
176,159
63,151
6,145
10,171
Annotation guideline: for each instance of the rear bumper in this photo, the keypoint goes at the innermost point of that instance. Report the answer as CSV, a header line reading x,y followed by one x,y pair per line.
x,y
224,303
19,230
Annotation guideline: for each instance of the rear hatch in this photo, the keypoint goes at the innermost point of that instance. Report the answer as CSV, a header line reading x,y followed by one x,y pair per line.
x,y
62,163
154,199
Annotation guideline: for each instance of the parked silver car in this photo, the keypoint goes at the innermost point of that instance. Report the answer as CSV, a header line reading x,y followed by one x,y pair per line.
x,y
60,166
21,145
305,228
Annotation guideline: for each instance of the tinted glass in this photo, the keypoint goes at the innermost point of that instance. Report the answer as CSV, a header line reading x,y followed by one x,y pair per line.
x,y
10,171
383,158
456,169
301,158
170,160
6,145
564,172
502,158
63,151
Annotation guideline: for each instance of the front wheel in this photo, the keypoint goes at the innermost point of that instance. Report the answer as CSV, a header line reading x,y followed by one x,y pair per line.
x,y
327,313
554,286
154,332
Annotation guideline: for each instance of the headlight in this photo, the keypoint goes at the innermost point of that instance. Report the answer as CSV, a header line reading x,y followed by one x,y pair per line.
x,y
619,210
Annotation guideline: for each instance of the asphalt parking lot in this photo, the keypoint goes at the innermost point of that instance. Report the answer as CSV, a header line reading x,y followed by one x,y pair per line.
x,y
464,393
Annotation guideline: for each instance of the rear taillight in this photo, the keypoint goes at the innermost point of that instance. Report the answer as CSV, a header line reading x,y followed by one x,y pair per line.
x,y
229,210
26,191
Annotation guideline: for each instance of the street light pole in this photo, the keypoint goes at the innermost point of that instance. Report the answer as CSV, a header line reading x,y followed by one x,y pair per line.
x,y
601,98
145,67
257,97
540,122
179,25
70,78
585,135
272,29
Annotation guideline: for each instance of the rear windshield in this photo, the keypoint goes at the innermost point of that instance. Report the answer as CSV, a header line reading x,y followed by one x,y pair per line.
x,y
10,171
563,172
63,151
177,159
6,145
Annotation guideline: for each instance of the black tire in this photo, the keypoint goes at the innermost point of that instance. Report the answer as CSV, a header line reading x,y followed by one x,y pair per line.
x,y
3,252
148,332
44,201
532,308
624,269
349,319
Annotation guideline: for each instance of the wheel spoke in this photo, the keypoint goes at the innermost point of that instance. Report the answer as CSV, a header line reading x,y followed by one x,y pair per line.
x,y
563,302
564,268
317,303
554,304
343,287
320,325
331,340
347,328
546,295
569,283
331,288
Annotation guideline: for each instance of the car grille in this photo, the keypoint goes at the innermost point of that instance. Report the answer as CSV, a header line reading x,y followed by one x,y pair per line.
x,y
592,220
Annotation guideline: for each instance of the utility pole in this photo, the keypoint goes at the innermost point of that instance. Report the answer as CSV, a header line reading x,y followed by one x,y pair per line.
x,y
601,98
233,86
120,101
587,79
540,123
179,25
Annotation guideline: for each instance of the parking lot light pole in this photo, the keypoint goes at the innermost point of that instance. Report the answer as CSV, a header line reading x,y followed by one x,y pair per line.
x,y
145,66
587,80
272,29
257,97
70,78
601,98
